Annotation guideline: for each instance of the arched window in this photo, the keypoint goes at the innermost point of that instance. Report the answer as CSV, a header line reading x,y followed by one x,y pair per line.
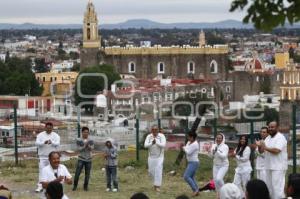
x,y
213,66
131,67
191,67
160,68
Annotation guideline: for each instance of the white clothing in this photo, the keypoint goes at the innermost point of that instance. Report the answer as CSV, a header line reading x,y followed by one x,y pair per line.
x,y
156,156
218,175
156,150
275,180
260,166
243,162
260,160
45,149
230,191
241,180
276,161
220,153
48,173
42,164
261,174
155,168
243,170
192,151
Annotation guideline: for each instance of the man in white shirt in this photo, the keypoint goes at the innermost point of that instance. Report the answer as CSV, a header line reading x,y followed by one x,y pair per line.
x,y
260,157
55,172
275,149
156,143
46,142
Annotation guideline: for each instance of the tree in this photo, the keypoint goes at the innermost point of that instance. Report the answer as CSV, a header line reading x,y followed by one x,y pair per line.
x,y
40,65
93,85
17,78
268,14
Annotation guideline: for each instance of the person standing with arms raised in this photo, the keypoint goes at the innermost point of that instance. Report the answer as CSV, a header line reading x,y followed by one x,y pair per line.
x,y
46,142
221,163
275,149
156,143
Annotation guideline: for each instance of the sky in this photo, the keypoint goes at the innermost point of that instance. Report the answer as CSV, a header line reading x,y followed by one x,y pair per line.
x,y
115,11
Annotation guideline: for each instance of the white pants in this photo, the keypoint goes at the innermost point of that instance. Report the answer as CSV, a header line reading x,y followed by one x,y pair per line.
x,y
241,180
275,181
218,174
261,174
155,166
42,163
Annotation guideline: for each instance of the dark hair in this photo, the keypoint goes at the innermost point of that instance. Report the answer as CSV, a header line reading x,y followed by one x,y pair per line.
x,y
193,135
257,189
240,149
52,153
49,124
55,190
182,197
264,127
85,128
294,182
139,196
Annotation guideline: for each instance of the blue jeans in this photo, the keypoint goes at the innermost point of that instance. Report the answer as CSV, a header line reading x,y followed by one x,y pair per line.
x,y
87,166
189,175
111,176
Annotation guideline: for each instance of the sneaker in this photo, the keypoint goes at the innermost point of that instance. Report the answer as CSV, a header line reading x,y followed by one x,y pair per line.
x,y
107,189
39,189
74,188
85,189
115,190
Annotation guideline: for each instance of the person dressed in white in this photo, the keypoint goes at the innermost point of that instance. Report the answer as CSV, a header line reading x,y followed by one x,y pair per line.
x,y
46,142
156,143
191,150
275,149
243,170
260,157
221,163
55,172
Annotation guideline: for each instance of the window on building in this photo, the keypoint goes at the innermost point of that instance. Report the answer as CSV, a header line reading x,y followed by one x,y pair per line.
x,y
213,67
169,96
131,67
122,147
38,78
88,33
44,79
227,89
51,79
203,90
160,68
7,134
55,78
278,77
191,67
3,134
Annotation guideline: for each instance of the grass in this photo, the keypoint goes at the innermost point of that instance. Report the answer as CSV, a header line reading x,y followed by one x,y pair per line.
x,y
22,179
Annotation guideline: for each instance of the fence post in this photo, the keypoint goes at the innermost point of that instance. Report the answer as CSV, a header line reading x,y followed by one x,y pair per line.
x,y
78,121
252,156
16,133
137,125
294,139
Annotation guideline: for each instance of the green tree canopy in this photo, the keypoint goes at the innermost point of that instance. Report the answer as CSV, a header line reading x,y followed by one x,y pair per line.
x,y
268,14
90,85
17,78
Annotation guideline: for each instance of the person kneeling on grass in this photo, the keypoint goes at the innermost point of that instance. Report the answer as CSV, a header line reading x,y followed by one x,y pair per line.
x,y
110,154
55,172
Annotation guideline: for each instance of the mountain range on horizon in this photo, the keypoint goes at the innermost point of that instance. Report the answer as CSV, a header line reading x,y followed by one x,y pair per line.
x,y
141,23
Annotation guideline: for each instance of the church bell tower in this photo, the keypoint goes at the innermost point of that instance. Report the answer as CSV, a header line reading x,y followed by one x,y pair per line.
x,y
91,38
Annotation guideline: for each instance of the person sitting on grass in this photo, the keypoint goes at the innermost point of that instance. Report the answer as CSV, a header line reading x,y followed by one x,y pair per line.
x,y
111,154
5,193
230,191
54,190
257,189
139,196
208,187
